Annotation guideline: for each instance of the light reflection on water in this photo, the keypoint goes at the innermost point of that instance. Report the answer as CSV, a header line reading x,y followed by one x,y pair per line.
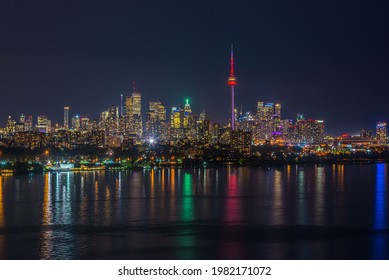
x,y
380,240
2,221
284,212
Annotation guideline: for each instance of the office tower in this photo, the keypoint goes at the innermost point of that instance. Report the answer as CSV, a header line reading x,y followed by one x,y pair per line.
x,y
203,116
134,121
241,141
28,124
151,124
76,123
232,84
266,121
155,119
112,122
43,124
159,108
66,117
277,110
187,116
381,132
175,117
317,132
310,131
136,103
85,123
265,111
11,126
153,106
20,126
366,134
22,118
161,112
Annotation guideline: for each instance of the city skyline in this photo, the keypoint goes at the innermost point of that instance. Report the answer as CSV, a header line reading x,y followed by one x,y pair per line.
x,y
325,59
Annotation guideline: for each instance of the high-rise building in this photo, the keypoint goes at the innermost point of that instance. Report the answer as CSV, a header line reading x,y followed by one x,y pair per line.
x,y
137,103
159,108
232,84
43,124
381,132
176,117
134,120
66,117
11,126
310,131
366,134
76,123
112,122
22,118
161,112
187,117
277,110
152,124
28,124
241,141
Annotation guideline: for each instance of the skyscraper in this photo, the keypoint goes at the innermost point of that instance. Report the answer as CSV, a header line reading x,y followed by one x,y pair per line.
x,y
277,109
134,114
43,124
381,132
232,84
66,117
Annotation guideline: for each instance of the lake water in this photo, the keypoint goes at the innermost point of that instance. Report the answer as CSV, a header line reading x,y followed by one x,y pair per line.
x,y
289,212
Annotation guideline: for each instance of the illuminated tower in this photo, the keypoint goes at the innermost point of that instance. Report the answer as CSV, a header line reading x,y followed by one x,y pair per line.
x,y
66,117
232,83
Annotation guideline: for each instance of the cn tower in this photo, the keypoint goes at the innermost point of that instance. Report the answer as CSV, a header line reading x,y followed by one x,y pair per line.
x,y
232,83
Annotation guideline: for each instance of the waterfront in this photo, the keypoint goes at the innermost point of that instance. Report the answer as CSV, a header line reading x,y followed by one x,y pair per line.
x,y
291,212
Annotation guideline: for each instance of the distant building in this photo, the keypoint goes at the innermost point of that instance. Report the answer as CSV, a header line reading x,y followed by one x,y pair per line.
x,y
66,117
76,123
366,134
43,124
381,132
241,141
310,131
134,127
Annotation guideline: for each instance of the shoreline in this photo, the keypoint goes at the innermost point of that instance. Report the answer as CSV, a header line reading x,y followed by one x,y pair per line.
x,y
9,172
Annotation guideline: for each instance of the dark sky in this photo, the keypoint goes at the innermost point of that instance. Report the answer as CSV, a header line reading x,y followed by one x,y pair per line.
x,y
328,59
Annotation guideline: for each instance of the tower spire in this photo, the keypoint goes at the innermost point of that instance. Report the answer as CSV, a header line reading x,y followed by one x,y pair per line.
x,y
232,61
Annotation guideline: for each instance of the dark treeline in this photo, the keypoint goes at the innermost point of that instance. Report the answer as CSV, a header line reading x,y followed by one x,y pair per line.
x,y
23,161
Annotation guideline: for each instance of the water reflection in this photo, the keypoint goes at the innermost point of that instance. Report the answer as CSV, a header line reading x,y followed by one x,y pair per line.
x,y
232,239
319,195
1,203
172,180
233,213
47,233
2,220
57,243
380,219
341,176
187,215
232,200
301,206
278,207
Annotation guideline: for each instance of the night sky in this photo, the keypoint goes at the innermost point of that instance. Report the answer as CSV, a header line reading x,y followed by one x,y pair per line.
x,y
328,59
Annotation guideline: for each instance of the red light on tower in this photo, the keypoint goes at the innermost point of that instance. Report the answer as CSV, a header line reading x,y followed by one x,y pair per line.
x,y
231,81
